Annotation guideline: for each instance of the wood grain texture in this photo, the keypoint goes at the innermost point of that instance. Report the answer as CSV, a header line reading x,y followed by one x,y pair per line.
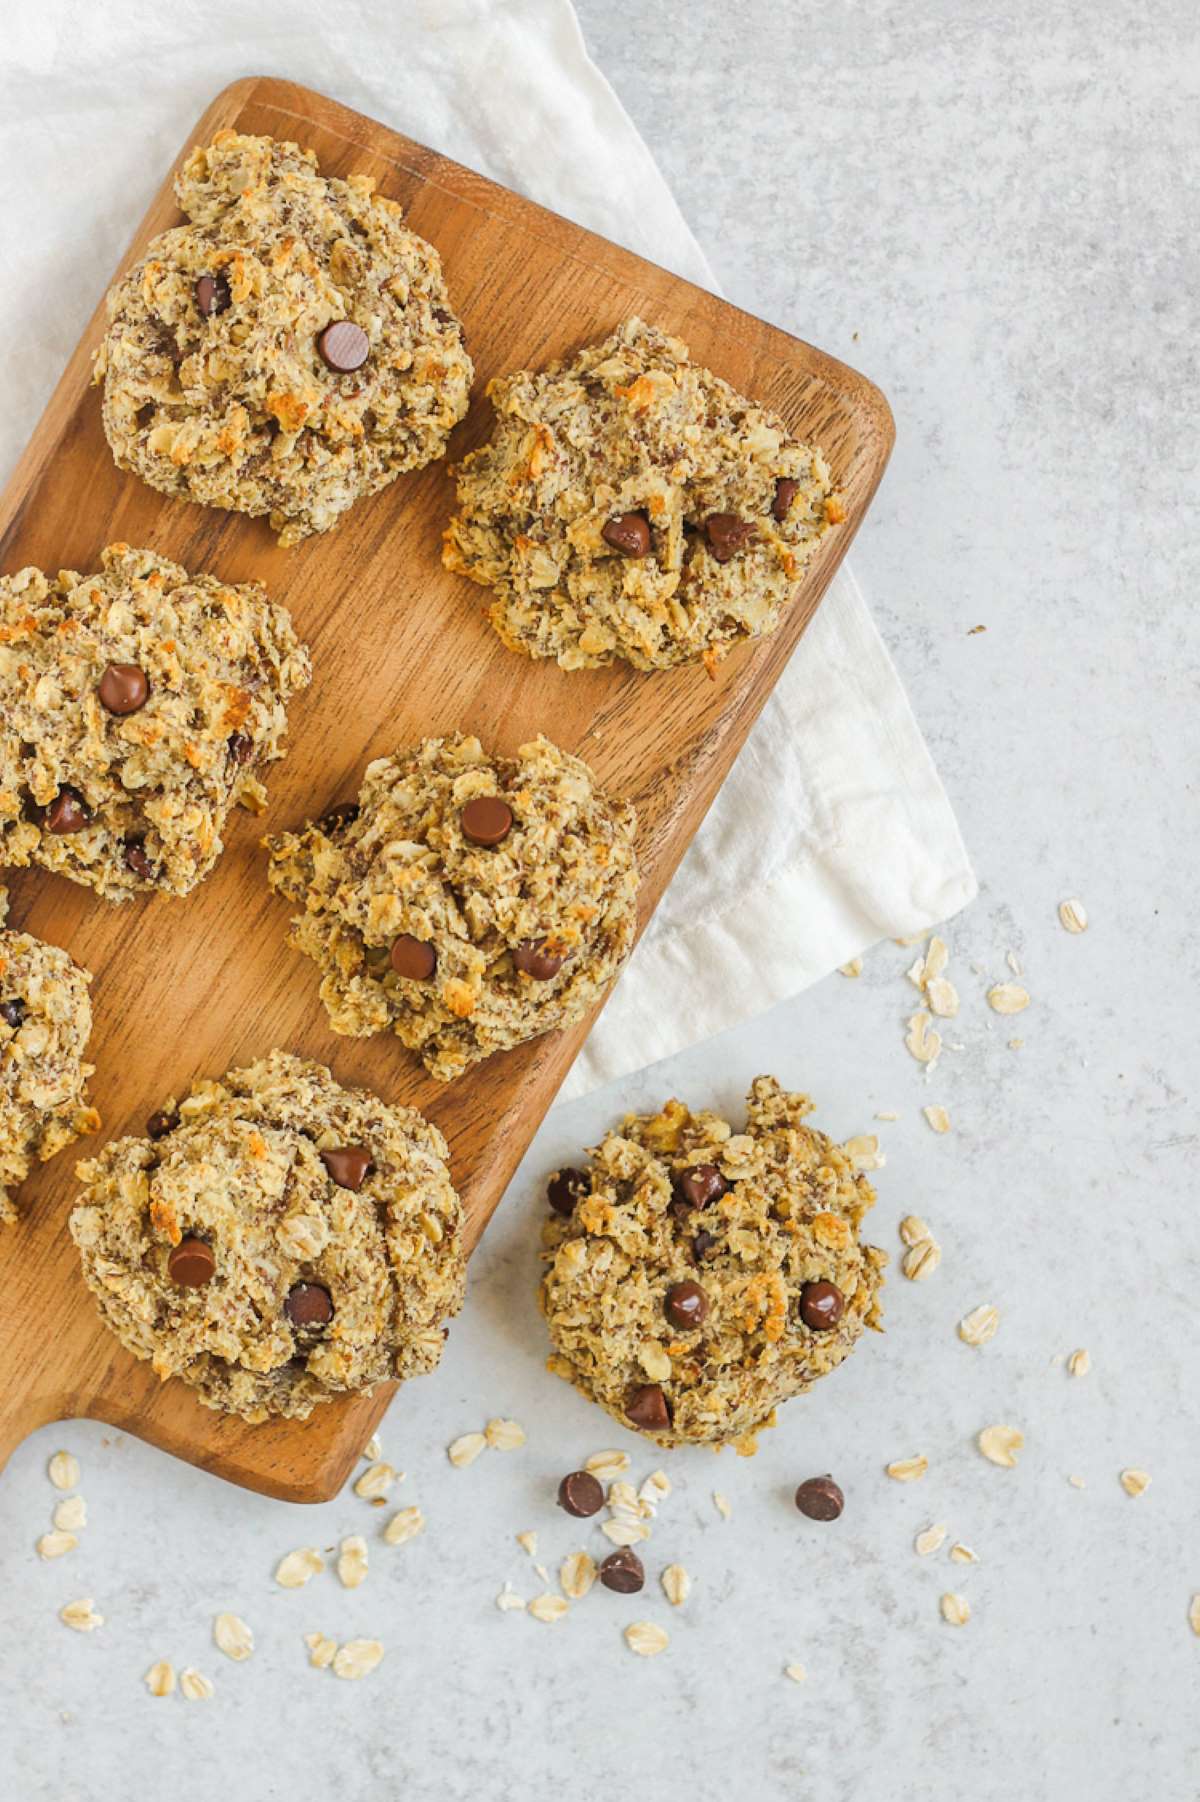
x,y
400,649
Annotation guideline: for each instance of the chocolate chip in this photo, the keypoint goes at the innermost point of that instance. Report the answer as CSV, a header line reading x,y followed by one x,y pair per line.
x,y
725,534
629,533
565,1188
821,1306
580,1494
160,1124
137,861
344,346
68,812
191,1263
623,1571
486,820
532,959
686,1305
334,819
12,1012
785,494
308,1304
820,1499
646,1406
123,688
413,958
241,747
212,295
349,1165
698,1185
702,1244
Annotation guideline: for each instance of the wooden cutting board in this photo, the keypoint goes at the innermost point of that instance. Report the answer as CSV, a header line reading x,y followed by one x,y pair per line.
x,y
400,649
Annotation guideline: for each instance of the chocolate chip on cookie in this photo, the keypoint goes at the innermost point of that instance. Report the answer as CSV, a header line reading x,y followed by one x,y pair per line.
x,y
137,860
646,1406
725,534
623,1571
821,1306
68,812
413,958
786,489
212,295
123,688
702,1244
160,1124
336,819
629,533
820,1498
532,959
344,346
486,820
581,1494
564,1190
12,1013
686,1305
308,1305
698,1185
348,1165
191,1263
241,747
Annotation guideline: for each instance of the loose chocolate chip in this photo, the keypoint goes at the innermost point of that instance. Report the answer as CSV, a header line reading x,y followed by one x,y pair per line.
x,y
698,1185
565,1188
12,1012
191,1263
160,1124
335,818
212,295
820,1499
629,533
646,1406
123,688
349,1165
413,958
308,1304
785,494
241,747
532,959
821,1306
686,1305
623,1571
344,346
725,534
68,812
580,1494
137,861
486,820
702,1244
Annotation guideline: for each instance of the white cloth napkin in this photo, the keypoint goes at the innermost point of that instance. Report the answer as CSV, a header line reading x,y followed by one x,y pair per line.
x,y
833,830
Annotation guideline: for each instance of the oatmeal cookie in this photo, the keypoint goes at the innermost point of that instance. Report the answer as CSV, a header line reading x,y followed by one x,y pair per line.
x,y
276,1240
286,352
135,708
632,504
465,902
697,1276
45,1022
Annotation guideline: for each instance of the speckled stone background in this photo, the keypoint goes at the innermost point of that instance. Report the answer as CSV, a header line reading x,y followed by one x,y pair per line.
x,y
993,212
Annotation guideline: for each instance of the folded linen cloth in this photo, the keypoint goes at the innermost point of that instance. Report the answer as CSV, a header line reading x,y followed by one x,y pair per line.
x,y
93,102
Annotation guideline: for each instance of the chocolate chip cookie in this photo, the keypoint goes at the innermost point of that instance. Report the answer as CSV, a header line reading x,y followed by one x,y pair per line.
x,y
275,1240
633,505
136,706
697,1276
464,902
45,1022
287,351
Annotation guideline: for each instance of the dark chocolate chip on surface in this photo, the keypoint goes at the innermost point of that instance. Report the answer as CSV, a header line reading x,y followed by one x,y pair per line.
x,y
344,346
820,1498
160,1124
623,1571
68,812
581,1494
212,295
191,1263
629,533
308,1304
646,1406
241,747
413,958
725,534
785,494
12,1013
137,860
564,1189
335,818
821,1306
697,1186
123,688
702,1244
532,959
686,1305
348,1165
486,820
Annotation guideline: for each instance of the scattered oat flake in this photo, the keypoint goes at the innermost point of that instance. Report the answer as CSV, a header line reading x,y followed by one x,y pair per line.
x,y
1016,1044
357,1658
677,1585
352,1561
654,1490
504,1435
1007,998
1194,1614
625,1532
956,1610
321,1649
1013,962
160,1678
375,1481
1135,1482
942,997
63,1471
908,1470
528,1542
1079,1363
922,1041
372,1450
405,1524
294,1570
1076,1482
576,1574
722,1505
647,1638
796,1672
466,1449
508,1599
962,1554
81,1616
977,1327
887,1114
548,1608
233,1637
542,1572
929,1540
864,1153
607,1464
938,1118
56,1545
70,1516
853,968
1001,1444
921,1260
913,1229
1073,914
